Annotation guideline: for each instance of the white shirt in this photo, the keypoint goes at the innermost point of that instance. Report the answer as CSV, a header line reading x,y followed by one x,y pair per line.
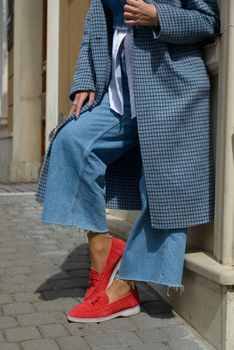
x,y
115,87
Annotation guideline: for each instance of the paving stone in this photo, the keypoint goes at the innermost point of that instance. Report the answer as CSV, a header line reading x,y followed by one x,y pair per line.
x,y
40,318
80,329
53,331
70,292
144,321
7,322
22,333
119,347
69,266
185,344
45,248
39,276
18,270
55,305
146,293
157,307
63,284
153,335
27,287
106,341
1,338
9,346
17,309
176,332
27,297
151,347
127,338
62,275
45,344
5,299
7,263
71,343
15,279
7,250
118,324
25,262
80,273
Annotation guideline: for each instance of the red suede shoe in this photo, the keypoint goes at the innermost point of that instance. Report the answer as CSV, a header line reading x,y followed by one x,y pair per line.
x,y
103,280
98,309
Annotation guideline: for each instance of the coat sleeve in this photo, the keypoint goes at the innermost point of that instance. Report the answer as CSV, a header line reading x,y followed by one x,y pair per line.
x,y
84,74
196,21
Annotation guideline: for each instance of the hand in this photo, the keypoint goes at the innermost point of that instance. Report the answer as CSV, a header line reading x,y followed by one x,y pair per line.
x,y
138,12
79,100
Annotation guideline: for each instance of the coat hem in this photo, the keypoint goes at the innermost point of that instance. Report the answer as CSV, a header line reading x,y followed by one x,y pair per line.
x,y
184,224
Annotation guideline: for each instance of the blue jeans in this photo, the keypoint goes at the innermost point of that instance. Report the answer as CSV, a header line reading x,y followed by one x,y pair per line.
x,y
75,191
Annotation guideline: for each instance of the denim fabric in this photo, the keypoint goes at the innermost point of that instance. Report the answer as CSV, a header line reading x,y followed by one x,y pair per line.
x,y
75,190
153,255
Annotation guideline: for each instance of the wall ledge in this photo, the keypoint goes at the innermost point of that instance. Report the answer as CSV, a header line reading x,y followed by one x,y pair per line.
x,y
205,265
202,263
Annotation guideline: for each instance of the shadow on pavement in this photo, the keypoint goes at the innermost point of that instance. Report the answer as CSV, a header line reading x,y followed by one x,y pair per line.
x,y
73,279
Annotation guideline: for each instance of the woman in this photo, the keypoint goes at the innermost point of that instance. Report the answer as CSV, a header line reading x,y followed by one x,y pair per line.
x,y
138,137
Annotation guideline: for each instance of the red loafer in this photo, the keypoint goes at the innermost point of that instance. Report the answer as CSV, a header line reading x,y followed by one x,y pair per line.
x,y
98,309
103,280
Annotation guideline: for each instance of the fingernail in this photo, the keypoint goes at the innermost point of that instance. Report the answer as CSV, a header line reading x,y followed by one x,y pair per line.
x,y
90,107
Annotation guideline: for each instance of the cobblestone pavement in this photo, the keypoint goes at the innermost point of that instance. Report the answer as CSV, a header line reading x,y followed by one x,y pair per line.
x,y
44,272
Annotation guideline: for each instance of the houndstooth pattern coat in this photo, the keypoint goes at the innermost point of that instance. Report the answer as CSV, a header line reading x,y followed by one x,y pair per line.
x,y
172,91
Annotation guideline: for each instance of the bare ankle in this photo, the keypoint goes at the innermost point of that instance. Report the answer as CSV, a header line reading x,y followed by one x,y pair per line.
x,y
119,289
127,284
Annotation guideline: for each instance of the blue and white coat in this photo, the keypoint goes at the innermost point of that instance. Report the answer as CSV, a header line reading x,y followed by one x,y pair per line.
x,y
172,93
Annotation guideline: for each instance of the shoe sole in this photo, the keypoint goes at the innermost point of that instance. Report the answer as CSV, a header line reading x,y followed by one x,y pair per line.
x,y
112,277
124,313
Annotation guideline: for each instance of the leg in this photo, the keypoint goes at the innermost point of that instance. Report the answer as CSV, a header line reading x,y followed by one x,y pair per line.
x,y
153,255
80,153
79,156
99,245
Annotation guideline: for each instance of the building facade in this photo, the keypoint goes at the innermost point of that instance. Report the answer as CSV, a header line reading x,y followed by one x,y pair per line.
x,y
39,44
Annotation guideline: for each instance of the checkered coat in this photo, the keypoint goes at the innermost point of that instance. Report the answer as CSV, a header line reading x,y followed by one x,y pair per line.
x,y
172,92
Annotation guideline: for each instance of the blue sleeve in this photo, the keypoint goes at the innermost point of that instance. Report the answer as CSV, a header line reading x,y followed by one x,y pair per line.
x,y
196,21
84,75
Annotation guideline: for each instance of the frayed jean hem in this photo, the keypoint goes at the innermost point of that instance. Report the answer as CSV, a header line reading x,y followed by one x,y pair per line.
x,y
173,286
81,227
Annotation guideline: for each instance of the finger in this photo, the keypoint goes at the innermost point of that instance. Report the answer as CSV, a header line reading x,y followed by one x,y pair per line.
x,y
130,16
132,23
130,8
75,101
133,3
91,99
72,108
80,103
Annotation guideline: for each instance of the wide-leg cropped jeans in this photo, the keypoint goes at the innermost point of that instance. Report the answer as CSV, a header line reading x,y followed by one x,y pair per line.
x,y
75,190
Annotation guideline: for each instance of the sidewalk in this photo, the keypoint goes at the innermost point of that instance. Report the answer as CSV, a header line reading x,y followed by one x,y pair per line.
x,y
44,272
